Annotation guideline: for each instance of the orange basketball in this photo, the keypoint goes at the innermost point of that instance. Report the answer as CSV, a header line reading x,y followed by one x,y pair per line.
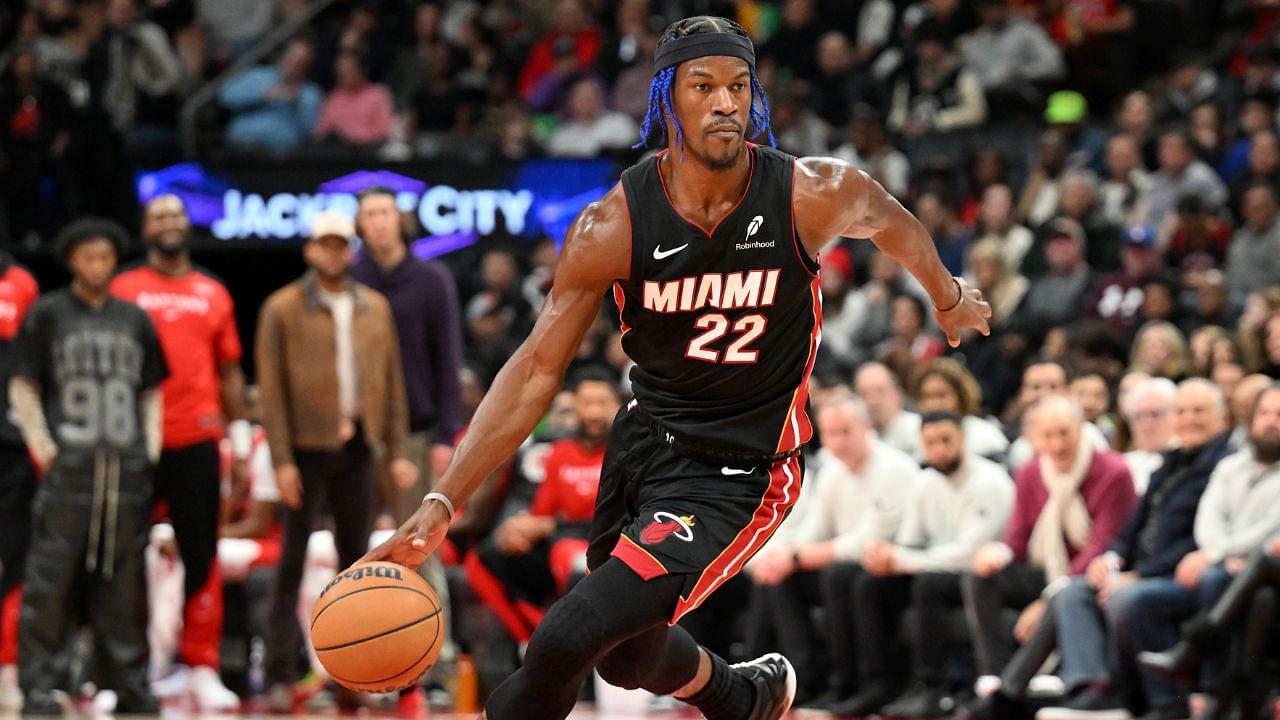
x,y
377,627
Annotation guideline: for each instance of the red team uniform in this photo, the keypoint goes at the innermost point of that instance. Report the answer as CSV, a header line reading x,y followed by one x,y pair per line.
x,y
18,290
194,318
517,588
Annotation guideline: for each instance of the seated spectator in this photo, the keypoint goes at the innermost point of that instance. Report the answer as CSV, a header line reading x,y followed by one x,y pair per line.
x,y
1148,409
945,386
574,30
1212,308
1190,84
1262,344
1067,111
863,488
357,112
996,223
987,166
1180,174
1253,258
866,311
791,45
963,503
835,89
1206,635
1241,401
1011,56
1042,191
1197,241
1079,201
1117,298
1262,165
881,391
1092,393
1001,286
1126,179
1059,297
273,108
936,91
1096,617
796,126
34,135
535,556
591,128
1160,349
1042,379
868,150
1070,502
935,212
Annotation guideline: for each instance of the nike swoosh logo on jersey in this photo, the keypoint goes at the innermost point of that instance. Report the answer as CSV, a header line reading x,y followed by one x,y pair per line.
x,y
660,254
735,471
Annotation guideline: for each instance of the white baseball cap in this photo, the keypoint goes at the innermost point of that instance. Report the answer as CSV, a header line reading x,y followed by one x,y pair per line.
x,y
332,222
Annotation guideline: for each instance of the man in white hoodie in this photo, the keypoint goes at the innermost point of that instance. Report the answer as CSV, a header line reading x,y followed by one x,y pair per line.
x,y
860,495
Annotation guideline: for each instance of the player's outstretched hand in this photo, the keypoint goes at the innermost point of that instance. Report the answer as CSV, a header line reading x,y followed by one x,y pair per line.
x,y
416,539
971,312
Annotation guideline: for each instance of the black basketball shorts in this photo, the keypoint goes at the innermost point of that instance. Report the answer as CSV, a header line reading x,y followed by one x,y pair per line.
x,y
663,513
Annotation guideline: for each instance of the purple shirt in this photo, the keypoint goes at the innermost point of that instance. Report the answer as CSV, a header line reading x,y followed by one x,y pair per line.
x,y
424,303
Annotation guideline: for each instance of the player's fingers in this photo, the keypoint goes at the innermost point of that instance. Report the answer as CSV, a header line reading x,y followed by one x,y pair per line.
x,y
953,338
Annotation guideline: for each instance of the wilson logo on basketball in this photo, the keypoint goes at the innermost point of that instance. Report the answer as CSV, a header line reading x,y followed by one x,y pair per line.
x,y
361,573
666,525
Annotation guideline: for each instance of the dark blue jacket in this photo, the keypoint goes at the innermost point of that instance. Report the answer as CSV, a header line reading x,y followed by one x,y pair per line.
x,y
1170,503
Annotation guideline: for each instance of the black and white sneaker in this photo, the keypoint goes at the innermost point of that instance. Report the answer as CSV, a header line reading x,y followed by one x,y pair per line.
x,y
775,683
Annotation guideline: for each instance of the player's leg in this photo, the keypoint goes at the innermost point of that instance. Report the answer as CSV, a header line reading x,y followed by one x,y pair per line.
x,y
117,593
610,605
17,490
52,585
617,620
284,635
192,489
349,488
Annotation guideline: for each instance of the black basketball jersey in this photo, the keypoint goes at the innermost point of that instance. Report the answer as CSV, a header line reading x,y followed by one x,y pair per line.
x,y
92,365
723,327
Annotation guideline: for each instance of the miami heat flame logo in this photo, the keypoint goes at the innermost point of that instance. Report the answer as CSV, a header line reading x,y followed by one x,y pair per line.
x,y
666,525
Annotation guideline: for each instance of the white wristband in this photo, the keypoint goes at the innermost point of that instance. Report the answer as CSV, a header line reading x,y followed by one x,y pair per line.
x,y
442,499
240,433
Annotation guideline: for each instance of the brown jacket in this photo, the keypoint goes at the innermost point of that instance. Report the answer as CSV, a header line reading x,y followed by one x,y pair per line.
x,y
298,377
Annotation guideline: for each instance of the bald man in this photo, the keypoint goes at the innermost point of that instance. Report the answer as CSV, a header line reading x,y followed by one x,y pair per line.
x,y
880,390
1096,620
1071,501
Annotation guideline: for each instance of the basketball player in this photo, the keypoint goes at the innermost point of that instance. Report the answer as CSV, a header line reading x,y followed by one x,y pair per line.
x,y
710,248
195,319
84,395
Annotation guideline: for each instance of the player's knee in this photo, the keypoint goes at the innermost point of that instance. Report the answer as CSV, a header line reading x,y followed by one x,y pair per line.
x,y
567,640
626,666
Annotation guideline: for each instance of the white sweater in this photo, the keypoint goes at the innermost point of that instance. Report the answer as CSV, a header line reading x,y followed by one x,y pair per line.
x,y
1240,509
853,509
951,517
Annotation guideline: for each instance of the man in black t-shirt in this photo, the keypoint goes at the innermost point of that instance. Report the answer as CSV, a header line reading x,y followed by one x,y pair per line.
x,y
86,368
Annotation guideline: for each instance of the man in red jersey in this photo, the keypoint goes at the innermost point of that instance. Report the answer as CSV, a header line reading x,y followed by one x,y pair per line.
x,y
195,319
532,557
18,290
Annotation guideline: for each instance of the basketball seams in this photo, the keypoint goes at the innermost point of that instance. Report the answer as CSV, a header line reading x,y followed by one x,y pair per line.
x,y
430,647
340,598
384,633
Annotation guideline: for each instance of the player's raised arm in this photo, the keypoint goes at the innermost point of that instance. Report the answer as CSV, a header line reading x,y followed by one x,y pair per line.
x,y
596,252
834,199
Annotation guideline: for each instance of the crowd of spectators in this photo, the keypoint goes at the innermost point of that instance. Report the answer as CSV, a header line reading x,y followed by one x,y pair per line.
x,y
1107,173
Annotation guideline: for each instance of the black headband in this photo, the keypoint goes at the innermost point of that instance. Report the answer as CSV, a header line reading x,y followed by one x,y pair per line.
x,y
678,50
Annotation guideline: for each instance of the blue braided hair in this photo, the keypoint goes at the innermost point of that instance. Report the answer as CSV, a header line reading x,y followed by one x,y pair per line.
x,y
653,129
